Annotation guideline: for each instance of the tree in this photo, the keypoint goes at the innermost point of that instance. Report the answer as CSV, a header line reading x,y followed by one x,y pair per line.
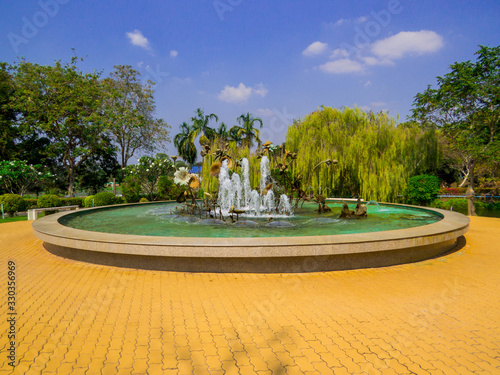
x,y
8,131
466,107
130,106
149,170
247,129
200,124
184,143
97,170
17,177
65,105
376,158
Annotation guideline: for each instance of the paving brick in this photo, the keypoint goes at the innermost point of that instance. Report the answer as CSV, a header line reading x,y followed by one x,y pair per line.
x,y
434,317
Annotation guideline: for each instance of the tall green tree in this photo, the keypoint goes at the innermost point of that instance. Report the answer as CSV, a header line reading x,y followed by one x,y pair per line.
x,y
376,158
466,107
67,106
247,130
184,144
130,107
200,124
8,131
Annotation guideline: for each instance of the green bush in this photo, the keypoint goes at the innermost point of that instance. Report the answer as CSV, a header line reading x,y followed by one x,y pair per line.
x,y
87,202
423,189
131,189
48,200
104,198
165,184
73,201
12,203
143,200
31,203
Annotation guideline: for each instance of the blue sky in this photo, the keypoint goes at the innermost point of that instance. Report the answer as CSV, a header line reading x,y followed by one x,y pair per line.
x,y
278,60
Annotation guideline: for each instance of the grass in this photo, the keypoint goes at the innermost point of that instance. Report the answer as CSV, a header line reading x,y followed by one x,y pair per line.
x,y
12,219
17,218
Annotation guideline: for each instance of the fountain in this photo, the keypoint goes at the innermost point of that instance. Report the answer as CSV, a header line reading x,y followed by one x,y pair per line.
x,y
245,230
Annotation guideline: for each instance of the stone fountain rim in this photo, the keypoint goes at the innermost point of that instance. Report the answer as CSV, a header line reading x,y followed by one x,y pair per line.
x,y
447,230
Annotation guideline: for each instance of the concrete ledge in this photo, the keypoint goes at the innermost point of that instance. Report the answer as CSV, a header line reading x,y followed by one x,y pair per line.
x,y
269,254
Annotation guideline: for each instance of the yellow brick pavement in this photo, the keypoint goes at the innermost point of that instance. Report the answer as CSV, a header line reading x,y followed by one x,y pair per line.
x,y
439,316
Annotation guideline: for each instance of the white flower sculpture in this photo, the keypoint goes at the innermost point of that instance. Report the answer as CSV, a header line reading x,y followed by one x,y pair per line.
x,y
182,176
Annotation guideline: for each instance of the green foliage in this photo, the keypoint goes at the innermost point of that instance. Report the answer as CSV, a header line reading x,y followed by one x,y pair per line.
x,y
165,185
73,201
375,156
66,106
148,171
30,203
423,189
87,203
96,171
17,177
48,200
247,131
143,200
130,107
466,108
460,205
12,203
131,189
104,198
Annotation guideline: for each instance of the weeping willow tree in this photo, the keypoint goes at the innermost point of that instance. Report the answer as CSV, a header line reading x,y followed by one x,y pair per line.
x,y
375,157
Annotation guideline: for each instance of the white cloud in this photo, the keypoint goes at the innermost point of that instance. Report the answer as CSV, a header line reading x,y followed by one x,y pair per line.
x,y
340,22
408,42
241,93
339,52
260,90
370,61
361,19
377,104
341,66
137,39
173,53
368,83
316,48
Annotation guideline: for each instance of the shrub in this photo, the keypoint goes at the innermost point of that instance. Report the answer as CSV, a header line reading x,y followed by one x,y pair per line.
x,y
165,185
131,189
87,202
31,203
143,200
175,191
73,201
48,200
423,189
104,198
12,203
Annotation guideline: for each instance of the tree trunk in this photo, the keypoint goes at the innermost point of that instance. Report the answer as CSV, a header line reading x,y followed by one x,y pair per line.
x,y
71,182
470,194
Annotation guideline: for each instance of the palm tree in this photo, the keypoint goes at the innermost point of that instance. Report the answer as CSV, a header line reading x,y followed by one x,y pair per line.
x,y
247,129
184,142
200,124
222,133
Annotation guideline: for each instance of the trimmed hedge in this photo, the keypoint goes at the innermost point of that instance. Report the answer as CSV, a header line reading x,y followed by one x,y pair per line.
x,y
48,200
12,203
72,201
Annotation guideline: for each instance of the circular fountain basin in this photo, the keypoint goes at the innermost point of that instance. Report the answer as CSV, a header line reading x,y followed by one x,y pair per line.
x,y
302,243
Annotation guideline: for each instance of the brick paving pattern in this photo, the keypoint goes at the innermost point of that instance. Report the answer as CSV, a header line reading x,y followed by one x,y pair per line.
x,y
440,316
